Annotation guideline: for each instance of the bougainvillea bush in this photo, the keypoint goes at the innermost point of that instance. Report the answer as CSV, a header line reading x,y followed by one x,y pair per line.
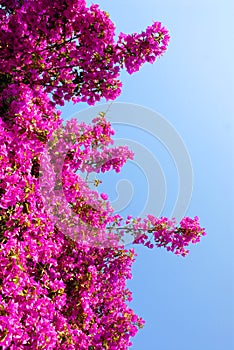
x,y
57,290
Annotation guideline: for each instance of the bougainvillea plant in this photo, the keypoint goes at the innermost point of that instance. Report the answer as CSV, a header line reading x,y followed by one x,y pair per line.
x,y
58,290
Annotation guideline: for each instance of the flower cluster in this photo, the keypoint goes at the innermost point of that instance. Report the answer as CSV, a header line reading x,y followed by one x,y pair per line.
x,y
144,47
56,291
165,233
69,49
63,267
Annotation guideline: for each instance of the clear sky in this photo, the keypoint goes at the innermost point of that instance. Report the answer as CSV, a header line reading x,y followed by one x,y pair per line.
x,y
187,303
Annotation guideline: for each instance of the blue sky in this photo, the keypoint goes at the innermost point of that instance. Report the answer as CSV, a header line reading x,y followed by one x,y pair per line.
x,y
187,303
